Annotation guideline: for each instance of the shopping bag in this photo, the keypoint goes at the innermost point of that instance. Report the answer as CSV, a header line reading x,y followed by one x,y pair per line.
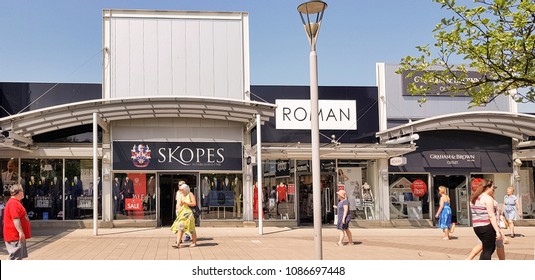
x,y
503,223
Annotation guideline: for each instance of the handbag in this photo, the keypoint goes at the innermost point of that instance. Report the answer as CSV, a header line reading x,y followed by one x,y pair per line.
x,y
503,223
196,212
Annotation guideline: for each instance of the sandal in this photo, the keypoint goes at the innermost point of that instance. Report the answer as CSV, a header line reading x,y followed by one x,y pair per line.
x,y
176,245
340,244
193,245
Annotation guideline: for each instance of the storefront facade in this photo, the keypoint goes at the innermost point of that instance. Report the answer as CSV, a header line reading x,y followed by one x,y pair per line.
x,y
456,147
176,106
349,153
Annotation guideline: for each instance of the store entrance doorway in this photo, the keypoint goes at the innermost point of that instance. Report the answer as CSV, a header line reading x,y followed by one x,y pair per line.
x,y
456,185
306,202
168,187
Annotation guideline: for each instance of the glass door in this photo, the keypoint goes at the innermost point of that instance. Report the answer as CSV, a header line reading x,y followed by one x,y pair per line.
x,y
168,184
456,186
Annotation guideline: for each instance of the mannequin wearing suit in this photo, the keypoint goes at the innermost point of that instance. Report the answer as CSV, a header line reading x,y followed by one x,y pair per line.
x,y
236,184
56,195
78,188
99,187
46,185
116,192
128,190
205,190
69,200
30,192
151,193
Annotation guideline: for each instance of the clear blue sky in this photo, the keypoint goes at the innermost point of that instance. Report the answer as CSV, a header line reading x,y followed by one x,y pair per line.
x,y
61,40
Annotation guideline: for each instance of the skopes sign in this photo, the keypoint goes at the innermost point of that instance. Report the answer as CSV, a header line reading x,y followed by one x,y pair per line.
x,y
452,158
140,155
333,114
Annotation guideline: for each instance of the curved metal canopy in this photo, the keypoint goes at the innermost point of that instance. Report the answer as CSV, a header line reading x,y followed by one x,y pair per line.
x,y
360,151
22,127
514,125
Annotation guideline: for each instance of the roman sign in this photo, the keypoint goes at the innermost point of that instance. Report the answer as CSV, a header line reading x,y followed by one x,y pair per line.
x,y
333,114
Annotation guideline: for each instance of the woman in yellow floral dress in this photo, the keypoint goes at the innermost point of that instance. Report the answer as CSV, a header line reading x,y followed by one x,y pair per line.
x,y
185,221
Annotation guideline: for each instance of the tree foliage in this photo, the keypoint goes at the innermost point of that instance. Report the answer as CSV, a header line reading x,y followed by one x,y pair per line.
x,y
495,38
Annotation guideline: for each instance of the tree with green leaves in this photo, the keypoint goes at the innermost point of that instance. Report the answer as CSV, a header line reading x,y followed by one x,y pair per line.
x,y
494,38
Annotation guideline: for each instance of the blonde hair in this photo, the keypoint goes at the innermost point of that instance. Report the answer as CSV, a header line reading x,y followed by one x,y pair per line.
x,y
442,190
511,188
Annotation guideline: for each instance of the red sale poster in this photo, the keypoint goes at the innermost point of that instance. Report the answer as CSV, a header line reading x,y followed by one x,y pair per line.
x,y
140,191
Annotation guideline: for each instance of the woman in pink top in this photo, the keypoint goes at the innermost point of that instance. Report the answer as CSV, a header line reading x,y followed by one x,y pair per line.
x,y
484,219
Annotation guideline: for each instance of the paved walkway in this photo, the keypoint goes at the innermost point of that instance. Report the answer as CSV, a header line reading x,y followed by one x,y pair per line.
x,y
226,243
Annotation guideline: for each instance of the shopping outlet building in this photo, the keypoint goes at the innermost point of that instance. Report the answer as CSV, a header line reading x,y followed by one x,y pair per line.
x,y
176,104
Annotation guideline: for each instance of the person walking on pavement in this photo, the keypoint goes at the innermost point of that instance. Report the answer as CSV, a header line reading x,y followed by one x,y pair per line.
x,y
343,218
510,206
17,226
483,218
444,213
178,198
185,220
500,248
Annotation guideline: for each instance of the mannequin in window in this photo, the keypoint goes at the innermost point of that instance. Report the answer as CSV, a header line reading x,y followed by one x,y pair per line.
x,y
78,188
282,192
215,185
99,187
205,189
226,186
367,195
69,199
30,192
151,186
128,190
45,183
78,191
89,191
55,193
237,195
116,193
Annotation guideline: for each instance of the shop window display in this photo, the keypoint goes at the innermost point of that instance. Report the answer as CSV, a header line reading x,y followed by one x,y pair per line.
x,y
409,198
221,196
352,176
134,196
279,191
50,196
41,180
526,189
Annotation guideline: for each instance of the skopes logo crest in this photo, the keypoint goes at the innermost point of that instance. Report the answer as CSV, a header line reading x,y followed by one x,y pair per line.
x,y
141,155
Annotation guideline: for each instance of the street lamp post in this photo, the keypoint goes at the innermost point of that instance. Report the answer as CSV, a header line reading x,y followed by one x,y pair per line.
x,y
311,14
